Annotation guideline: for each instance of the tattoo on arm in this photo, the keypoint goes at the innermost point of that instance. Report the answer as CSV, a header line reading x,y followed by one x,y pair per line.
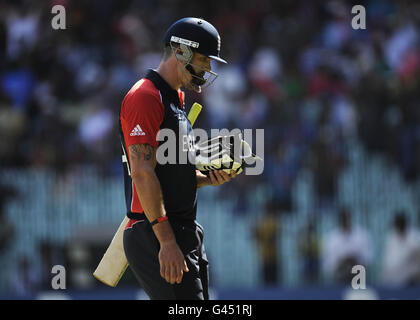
x,y
139,151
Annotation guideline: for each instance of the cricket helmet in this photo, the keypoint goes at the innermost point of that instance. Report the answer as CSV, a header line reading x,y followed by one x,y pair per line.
x,y
198,34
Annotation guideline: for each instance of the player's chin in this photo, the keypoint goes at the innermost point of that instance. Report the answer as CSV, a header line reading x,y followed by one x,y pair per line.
x,y
197,88
193,87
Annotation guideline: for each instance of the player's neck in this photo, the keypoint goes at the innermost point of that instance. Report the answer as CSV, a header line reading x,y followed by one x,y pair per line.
x,y
166,71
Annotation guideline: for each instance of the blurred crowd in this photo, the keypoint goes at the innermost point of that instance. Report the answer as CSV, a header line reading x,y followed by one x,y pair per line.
x,y
334,257
296,69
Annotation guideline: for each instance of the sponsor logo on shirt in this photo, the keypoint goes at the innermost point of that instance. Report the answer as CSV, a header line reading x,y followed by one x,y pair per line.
x,y
137,131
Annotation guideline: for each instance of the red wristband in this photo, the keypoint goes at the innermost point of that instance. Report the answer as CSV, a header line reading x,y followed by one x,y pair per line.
x,y
158,220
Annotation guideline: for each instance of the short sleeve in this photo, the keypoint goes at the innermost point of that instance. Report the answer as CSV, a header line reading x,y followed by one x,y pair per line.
x,y
142,115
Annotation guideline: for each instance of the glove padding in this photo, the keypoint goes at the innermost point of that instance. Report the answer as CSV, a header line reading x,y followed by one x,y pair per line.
x,y
225,153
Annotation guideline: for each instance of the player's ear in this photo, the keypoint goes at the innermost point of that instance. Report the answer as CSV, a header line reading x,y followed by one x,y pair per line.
x,y
183,53
177,51
174,48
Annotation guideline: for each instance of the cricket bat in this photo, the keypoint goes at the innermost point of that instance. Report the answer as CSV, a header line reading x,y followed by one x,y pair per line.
x,y
114,263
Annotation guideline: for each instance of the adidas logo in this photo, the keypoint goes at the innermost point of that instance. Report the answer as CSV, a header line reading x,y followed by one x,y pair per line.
x,y
137,131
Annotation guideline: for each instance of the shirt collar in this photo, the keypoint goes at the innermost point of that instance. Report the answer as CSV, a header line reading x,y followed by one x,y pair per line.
x,y
163,86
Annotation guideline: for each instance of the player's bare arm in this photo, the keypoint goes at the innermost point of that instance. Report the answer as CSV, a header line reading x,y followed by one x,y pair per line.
x,y
215,178
143,162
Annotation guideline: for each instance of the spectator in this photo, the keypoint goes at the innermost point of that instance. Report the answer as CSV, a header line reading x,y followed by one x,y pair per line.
x,y
401,265
26,280
265,234
326,165
7,230
309,251
345,247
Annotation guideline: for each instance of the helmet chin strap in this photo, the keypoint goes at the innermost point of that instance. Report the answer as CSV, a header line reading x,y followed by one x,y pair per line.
x,y
196,79
192,83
